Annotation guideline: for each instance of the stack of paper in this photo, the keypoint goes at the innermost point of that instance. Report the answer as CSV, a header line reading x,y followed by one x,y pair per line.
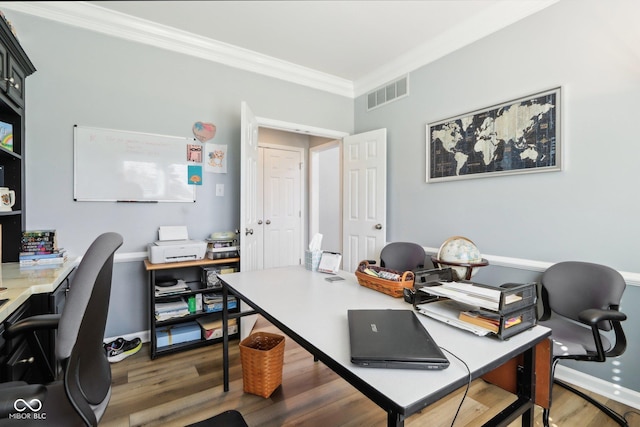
x,y
448,311
172,308
471,294
179,287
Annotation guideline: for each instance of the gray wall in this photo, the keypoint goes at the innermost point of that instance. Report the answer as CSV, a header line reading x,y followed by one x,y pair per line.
x,y
586,212
89,79
590,210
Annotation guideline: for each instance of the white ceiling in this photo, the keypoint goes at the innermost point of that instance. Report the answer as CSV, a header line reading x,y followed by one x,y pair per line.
x,y
359,44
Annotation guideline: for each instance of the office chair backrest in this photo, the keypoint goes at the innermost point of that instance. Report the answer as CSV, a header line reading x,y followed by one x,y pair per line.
x,y
402,256
82,325
574,286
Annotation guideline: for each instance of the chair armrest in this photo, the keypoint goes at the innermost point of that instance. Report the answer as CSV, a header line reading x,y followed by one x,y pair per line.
x,y
12,392
32,323
593,316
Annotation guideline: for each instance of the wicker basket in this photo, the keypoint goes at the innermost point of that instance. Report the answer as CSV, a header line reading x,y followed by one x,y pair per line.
x,y
262,356
389,287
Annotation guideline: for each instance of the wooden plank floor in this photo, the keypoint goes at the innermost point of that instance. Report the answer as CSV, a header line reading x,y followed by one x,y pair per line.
x,y
186,387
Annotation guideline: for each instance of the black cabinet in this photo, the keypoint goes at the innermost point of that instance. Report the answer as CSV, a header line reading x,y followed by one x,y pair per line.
x,y
175,332
18,359
15,66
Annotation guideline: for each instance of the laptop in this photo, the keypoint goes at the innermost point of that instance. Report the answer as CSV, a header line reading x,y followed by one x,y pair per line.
x,y
392,339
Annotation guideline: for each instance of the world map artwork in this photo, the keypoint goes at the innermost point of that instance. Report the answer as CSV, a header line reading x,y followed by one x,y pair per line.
x,y
519,136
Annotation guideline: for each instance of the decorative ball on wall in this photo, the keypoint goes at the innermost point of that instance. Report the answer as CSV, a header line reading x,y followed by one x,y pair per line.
x,y
204,131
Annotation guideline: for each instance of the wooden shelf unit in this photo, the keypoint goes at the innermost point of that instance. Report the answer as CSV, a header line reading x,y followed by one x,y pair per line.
x,y
191,273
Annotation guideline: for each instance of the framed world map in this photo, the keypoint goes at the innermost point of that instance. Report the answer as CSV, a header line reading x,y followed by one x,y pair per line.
x,y
518,136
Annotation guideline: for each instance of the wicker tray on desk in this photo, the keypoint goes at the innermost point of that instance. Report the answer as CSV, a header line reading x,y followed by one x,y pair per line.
x,y
389,287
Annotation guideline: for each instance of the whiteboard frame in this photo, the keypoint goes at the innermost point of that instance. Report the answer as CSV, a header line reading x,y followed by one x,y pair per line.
x,y
76,198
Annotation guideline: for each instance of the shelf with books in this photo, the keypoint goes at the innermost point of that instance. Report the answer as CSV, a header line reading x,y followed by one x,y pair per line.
x,y
181,293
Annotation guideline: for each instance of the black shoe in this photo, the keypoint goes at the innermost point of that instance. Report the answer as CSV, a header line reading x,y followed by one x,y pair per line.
x,y
120,349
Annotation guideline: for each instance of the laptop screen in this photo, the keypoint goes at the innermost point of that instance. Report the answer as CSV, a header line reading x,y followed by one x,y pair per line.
x,y
392,339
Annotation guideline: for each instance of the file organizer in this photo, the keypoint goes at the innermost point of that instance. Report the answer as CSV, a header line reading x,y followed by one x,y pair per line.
x,y
522,306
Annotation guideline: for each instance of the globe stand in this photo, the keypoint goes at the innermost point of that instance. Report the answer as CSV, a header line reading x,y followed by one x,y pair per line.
x,y
468,266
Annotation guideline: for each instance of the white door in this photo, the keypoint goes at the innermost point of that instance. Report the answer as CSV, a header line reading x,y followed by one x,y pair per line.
x,y
250,253
364,197
250,238
282,207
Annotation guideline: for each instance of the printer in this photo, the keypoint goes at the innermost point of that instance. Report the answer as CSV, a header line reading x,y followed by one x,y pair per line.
x,y
174,246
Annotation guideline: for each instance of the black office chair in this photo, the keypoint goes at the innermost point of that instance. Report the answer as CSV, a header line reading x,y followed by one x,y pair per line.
x,y
81,397
581,299
403,256
230,418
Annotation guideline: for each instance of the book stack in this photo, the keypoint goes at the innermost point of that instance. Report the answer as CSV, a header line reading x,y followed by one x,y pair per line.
x,y
39,247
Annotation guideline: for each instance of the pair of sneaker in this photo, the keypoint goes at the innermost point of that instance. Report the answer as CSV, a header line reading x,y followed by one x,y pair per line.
x,y
120,349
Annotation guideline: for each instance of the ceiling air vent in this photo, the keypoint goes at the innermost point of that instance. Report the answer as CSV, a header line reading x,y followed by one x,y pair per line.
x,y
387,93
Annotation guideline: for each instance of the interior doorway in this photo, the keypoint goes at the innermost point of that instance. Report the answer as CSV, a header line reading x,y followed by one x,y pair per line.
x,y
325,194
321,209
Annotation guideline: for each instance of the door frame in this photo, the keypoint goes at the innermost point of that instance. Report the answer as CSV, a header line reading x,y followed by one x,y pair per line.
x,y
310,131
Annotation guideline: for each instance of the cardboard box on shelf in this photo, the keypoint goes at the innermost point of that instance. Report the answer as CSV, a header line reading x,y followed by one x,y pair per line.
x,y
177,334
212,327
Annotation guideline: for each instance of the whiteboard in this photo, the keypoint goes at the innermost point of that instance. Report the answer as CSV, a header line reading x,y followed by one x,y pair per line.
x,y
122,166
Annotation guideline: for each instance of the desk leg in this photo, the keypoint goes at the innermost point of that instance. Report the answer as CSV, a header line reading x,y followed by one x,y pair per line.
x,y
225,337
528,385
394,419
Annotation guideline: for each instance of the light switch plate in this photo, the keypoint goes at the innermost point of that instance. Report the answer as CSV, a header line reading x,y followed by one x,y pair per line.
x,y
219,190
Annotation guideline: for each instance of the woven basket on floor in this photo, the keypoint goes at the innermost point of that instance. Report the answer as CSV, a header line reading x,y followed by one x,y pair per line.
x,y
262,357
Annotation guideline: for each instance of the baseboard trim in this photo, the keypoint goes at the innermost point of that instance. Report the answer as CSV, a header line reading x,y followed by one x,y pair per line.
x,y
603,388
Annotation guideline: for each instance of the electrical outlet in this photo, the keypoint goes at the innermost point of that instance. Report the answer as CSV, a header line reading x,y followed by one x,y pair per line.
x,y
219,190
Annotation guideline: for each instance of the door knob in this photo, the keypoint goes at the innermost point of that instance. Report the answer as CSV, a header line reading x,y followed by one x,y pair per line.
x,y
259,222
268,222
378,226
248,231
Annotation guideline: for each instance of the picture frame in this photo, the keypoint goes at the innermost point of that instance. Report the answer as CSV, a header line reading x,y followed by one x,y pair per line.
x,y
522,135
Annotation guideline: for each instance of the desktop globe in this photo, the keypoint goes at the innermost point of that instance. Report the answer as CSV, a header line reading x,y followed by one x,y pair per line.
x,y
462,255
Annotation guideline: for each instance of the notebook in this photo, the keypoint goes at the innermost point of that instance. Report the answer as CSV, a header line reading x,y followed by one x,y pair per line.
x,y
392,339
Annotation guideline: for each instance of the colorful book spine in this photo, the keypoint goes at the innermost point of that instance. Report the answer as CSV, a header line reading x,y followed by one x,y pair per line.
x,y
39,241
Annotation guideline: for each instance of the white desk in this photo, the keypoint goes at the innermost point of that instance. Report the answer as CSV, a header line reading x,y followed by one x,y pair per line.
x,y
313,312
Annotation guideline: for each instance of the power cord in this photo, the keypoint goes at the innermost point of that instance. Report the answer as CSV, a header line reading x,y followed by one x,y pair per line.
x,y
464,396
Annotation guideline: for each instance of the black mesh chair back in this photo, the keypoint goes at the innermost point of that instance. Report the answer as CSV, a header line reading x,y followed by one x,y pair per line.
x,y
87,375
82,395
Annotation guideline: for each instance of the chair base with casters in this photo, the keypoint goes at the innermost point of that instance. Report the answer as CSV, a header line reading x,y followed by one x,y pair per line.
x,y
225,419
580,300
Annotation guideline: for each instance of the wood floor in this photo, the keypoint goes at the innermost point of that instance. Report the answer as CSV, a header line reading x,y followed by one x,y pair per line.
x,y
183,388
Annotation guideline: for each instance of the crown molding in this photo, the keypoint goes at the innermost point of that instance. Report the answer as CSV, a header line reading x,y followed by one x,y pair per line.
x,y
95,18
465,32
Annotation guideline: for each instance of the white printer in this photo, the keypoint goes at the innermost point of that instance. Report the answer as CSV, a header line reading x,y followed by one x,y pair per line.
x,y
174,246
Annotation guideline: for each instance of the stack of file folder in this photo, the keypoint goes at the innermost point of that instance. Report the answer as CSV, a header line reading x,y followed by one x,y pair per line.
x,y
501,311
213,302
170,308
